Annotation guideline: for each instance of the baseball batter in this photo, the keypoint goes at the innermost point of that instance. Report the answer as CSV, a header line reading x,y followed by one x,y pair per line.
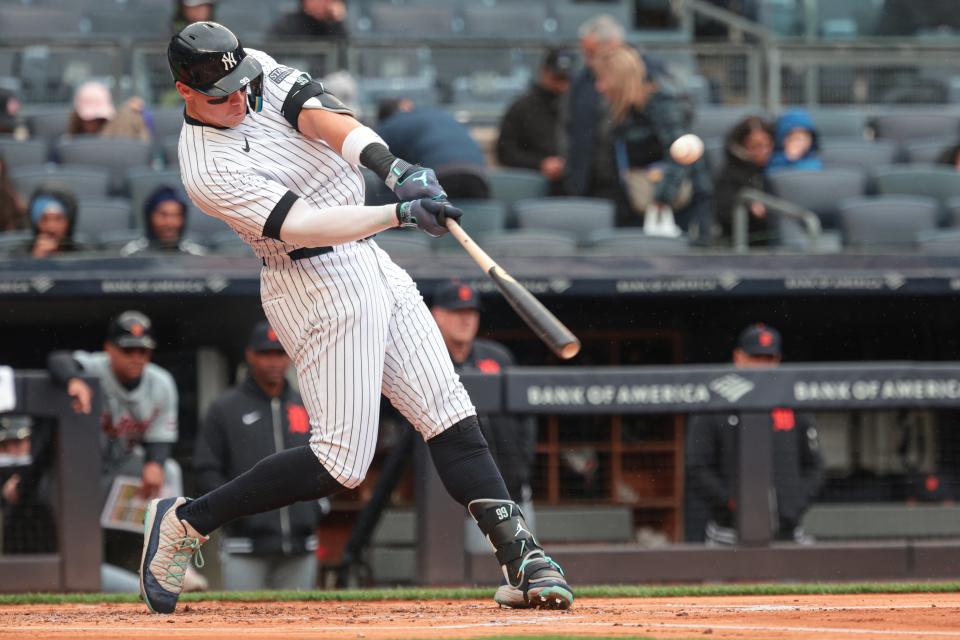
x,y
268,151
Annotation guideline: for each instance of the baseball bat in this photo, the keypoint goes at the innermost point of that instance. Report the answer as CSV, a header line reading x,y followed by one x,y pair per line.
x,y
546,325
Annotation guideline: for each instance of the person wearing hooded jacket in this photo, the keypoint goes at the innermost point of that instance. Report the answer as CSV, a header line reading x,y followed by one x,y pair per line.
x,y
748,147
248,422
53,217
165,221
796,145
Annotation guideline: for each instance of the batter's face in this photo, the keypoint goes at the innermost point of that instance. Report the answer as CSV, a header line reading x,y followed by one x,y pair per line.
x,y
458,326
127,363
268,368
228,111
166,219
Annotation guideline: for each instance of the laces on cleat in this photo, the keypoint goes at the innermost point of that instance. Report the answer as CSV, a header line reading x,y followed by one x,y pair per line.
x,y
185,550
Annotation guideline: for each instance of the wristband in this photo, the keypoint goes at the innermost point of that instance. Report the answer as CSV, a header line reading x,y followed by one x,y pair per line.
x,y
398,169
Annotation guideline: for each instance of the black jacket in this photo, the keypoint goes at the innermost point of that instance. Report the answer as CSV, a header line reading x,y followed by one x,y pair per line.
x,y
529,131
739,173
299,24
243,426
512,439
712,458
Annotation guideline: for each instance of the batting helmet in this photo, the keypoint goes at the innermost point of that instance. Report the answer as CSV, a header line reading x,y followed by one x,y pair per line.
x,y
208,57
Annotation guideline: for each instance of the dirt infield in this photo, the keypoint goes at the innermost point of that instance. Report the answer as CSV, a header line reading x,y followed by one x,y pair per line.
x,y
792,617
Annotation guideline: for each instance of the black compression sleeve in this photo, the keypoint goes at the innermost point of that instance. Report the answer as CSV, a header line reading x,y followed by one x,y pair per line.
x,y
157,451
378,159
62,367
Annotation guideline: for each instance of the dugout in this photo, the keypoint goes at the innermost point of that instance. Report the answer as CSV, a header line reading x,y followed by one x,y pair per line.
x,y
657,310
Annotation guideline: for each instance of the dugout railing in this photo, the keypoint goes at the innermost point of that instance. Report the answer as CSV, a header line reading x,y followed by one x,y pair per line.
x,y
75,477
441,558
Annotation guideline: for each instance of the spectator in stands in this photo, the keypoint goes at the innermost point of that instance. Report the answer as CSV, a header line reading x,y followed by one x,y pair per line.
x,y
165,222
749,147
712,453
13,215
314,19
430,136
248,422
456,308
189,11
796,145
530,129
139,420
646,119
10,121
911,18
53,214
951,156
590,170
94,114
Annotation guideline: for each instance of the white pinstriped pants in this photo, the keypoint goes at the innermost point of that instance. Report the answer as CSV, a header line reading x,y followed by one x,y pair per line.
x,y
356,326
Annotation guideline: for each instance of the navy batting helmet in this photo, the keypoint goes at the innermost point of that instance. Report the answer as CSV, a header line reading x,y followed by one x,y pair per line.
x,y
208,57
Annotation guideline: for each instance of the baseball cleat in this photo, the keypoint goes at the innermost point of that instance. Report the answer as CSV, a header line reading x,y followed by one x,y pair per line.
x,y
169,544
540,585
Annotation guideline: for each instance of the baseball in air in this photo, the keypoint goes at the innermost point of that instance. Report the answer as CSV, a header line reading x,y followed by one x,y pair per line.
x,y
686,149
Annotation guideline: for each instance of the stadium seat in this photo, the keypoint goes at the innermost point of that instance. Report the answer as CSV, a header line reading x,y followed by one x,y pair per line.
x,y
857,154
404,243
634,242
169,147
142,181
519,19
22,153
715,155
376,191
529,242
716,122
887,221
117,239
819,191
510,185
83,182
481,217
577,216
937,181
432,19
570,15
940,242
49,124
250,22
917,126
98,216
926,151
142,23
203,228
840,123
13,242
37,23
167,122
118,155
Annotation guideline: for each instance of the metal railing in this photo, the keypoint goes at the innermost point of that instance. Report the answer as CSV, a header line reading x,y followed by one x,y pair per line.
x,y
777,206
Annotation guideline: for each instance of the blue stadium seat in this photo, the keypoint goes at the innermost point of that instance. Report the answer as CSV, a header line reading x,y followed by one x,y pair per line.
x,y
863,155
940,242
480,217
920,125
937,181
926,151
141,23
819,191
530,242
634,242
167,122
404,243
510,185
117,155
840,123
716,122
33,22
97,216
23,153
49,123
433,19
83,182
576,216
13,242
502,20
887,221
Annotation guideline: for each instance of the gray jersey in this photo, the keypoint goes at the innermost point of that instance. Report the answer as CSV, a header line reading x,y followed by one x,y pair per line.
x,y
147,413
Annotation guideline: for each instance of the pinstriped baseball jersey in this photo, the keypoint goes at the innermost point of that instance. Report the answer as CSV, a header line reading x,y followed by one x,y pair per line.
x,y
242,175
353,322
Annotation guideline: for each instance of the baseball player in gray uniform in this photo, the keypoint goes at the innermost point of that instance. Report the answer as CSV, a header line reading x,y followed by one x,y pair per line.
x,y
265,149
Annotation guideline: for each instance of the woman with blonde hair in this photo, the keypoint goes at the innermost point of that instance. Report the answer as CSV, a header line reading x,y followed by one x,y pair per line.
x,y
645,119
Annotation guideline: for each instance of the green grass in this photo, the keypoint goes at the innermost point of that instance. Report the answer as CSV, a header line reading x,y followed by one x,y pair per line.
x,y
608,591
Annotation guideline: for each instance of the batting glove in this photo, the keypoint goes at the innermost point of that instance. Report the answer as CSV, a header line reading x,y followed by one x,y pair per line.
x,y
429,215
413,182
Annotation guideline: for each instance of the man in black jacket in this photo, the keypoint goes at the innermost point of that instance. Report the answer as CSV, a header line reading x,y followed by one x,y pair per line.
x,y
248,422
530,129
712,454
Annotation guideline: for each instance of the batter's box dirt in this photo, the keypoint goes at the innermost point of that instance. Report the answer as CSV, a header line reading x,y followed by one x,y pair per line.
x,y
865,617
